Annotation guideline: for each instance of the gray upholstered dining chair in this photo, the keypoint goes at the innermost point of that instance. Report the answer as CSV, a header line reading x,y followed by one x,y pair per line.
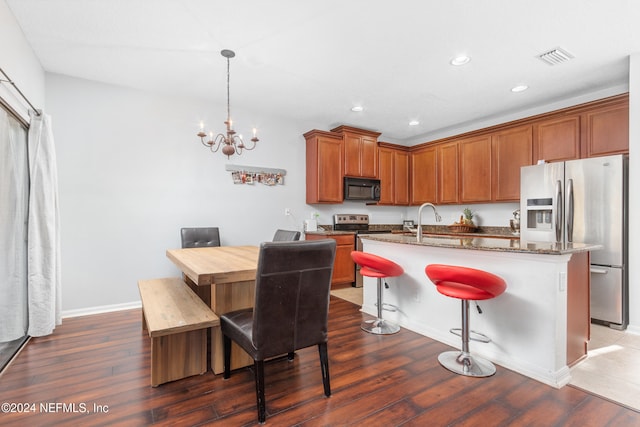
x,y
196,237
286,236
291,309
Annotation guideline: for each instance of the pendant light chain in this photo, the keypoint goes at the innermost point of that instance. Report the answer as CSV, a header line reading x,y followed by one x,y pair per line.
x,y
228,92
230,142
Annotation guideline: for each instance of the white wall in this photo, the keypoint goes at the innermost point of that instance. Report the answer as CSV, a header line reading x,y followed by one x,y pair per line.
x,y
20,64
132,172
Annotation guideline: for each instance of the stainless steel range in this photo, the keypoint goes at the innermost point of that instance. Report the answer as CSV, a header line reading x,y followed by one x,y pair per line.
x,y
350,222
359,224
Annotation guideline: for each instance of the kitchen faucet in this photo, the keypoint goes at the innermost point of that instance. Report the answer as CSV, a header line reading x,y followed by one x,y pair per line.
x,y
438,218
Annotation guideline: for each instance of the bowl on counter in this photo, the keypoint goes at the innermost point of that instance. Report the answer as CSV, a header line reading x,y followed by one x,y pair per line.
x,y
462,228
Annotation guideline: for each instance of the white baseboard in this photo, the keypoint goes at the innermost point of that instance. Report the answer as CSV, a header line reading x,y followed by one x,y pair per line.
x,y
101,309
633,329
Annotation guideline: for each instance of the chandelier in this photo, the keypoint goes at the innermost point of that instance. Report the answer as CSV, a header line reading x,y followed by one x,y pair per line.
x,y
230,142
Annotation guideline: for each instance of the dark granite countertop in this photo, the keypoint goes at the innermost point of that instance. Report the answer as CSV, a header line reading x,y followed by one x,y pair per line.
x,y
484,243
329,232
484,238
497,232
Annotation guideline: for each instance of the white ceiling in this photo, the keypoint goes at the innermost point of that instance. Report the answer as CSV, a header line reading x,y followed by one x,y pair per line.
x,y
314,60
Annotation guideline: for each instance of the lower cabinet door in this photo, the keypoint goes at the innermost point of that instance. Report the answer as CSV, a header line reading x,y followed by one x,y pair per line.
x,y
344,269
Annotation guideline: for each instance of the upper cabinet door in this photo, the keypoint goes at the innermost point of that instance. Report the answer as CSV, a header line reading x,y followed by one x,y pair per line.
x,y
393,172
360,151
423,176
511,149
475,169
448,173
324,167
607,131
351,155
369,157
557,139
386,171
401,177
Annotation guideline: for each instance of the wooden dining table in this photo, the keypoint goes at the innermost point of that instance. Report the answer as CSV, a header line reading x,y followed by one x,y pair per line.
x,y
224,278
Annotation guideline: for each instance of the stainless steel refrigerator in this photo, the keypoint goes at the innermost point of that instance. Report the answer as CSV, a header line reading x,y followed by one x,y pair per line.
x,y
584,201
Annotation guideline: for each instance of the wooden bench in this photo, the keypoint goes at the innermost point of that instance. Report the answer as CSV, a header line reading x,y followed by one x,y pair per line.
x,y
177,321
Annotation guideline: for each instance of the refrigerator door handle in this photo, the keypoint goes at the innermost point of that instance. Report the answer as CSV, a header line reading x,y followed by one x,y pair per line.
x,y
569,211
598,270
559,207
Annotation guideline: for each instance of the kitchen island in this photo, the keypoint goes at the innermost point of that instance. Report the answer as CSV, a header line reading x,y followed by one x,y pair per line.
x,y
538,327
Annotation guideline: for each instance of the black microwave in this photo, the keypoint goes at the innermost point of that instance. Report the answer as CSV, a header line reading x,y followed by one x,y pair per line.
x,y
361,189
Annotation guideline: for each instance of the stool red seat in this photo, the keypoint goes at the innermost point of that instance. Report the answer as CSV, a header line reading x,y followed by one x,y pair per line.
x,y
466,284
379,267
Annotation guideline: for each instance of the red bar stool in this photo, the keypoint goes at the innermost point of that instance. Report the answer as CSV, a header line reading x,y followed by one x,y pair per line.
x,y
466,284
378,267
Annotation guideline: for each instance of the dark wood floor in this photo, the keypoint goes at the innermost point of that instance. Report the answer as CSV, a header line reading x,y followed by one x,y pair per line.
x,y
103,360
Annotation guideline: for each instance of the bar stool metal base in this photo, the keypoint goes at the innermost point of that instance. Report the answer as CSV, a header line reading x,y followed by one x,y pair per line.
x,y
463,363
473,335
379,327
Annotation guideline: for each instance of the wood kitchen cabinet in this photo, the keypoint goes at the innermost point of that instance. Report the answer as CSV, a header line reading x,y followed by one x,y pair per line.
x,y
481,166
599,128
578,310
607,131
344,269
360,151
448,173
401,177
557,139
385,173
434,174
393,171
510,150
423,175
324,167
484,166
475,169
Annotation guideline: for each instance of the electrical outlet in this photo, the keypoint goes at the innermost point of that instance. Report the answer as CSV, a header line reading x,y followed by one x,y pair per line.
x,y
287,211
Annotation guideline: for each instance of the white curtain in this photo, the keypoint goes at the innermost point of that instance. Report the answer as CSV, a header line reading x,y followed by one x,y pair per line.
x,y
14,192
43,242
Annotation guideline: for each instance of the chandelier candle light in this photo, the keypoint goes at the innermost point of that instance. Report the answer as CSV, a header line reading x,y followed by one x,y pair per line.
x,y
230,143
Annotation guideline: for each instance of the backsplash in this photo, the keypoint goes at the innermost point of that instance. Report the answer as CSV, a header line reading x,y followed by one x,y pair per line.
x,y
436,229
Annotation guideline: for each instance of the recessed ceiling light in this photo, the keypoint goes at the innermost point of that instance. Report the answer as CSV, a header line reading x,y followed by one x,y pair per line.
x,y
460,60
357,108
414,123
519,88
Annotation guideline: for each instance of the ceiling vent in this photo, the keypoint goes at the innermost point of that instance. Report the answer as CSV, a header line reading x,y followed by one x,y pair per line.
x,y
555,56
